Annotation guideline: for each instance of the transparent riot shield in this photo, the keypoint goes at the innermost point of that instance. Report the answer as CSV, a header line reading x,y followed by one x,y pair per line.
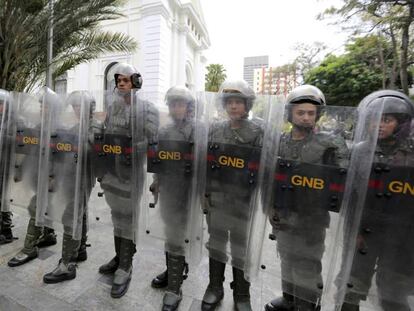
x,y
273,129
377,264
5,115
22,163
64,146
172,214
122,132
303,195
233,156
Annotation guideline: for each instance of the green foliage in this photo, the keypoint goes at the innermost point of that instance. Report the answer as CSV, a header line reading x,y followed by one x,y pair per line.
x,y
346,79
77,38
215,76
393,19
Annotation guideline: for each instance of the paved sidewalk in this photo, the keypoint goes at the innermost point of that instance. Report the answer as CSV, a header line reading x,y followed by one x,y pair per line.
x,y
22,288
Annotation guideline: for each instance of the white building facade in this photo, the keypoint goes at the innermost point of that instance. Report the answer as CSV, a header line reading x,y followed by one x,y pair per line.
x,y
171,36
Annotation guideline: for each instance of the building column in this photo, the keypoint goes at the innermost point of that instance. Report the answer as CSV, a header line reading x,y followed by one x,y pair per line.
x,y
173,55
181,55
198,71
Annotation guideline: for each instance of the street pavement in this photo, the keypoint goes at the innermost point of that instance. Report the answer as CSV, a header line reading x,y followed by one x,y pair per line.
x,y
22,288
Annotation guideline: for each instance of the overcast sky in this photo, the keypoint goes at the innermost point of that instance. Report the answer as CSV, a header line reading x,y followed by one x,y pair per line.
x,y
265,27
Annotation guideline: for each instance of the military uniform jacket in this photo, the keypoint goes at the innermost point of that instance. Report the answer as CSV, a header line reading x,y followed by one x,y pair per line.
x,y
387,214
316,148
118,121
175,187
249,135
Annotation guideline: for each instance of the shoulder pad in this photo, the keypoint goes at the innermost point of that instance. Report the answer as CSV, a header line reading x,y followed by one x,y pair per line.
x,y
408,145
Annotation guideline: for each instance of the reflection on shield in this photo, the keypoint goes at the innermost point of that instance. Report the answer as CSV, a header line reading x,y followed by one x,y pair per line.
x,y
172,214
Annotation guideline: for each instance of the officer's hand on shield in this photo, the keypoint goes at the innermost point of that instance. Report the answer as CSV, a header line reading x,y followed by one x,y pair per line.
x,y
17,176
154,188
361,246
51,183
18,172
274,219
206,202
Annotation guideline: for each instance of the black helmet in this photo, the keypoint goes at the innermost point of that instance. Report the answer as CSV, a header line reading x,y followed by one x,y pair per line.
x,y
75,99
129,71
237,88
180,93
305,94
394,103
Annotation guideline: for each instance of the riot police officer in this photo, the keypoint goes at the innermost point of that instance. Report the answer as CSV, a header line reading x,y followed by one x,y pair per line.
x,y
73,250
6,235
117,180
228,211
35,236
301,240
384,242
174,188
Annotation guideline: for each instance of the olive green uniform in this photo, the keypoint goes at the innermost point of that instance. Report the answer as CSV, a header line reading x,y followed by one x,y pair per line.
x,y
385,241
301,244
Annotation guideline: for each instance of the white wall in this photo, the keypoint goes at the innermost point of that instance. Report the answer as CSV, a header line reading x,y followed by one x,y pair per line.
x,y
167,44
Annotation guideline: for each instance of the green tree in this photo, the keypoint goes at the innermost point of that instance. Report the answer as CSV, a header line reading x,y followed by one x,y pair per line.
x,y
77,38
393,18
346,79
215,76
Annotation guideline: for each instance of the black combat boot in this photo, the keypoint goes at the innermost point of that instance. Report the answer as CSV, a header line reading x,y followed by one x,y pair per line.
x,y
48,238
349,307
241,291
111,266
66,269
284,303
29,251
172,298
82,253
6,235
161,280
62,272
214,292
122,276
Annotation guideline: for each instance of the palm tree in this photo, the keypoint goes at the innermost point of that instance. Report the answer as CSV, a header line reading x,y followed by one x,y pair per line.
x,y
216,74
77,38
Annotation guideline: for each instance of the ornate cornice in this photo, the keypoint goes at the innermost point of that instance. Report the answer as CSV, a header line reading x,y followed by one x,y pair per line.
x,y
155,9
